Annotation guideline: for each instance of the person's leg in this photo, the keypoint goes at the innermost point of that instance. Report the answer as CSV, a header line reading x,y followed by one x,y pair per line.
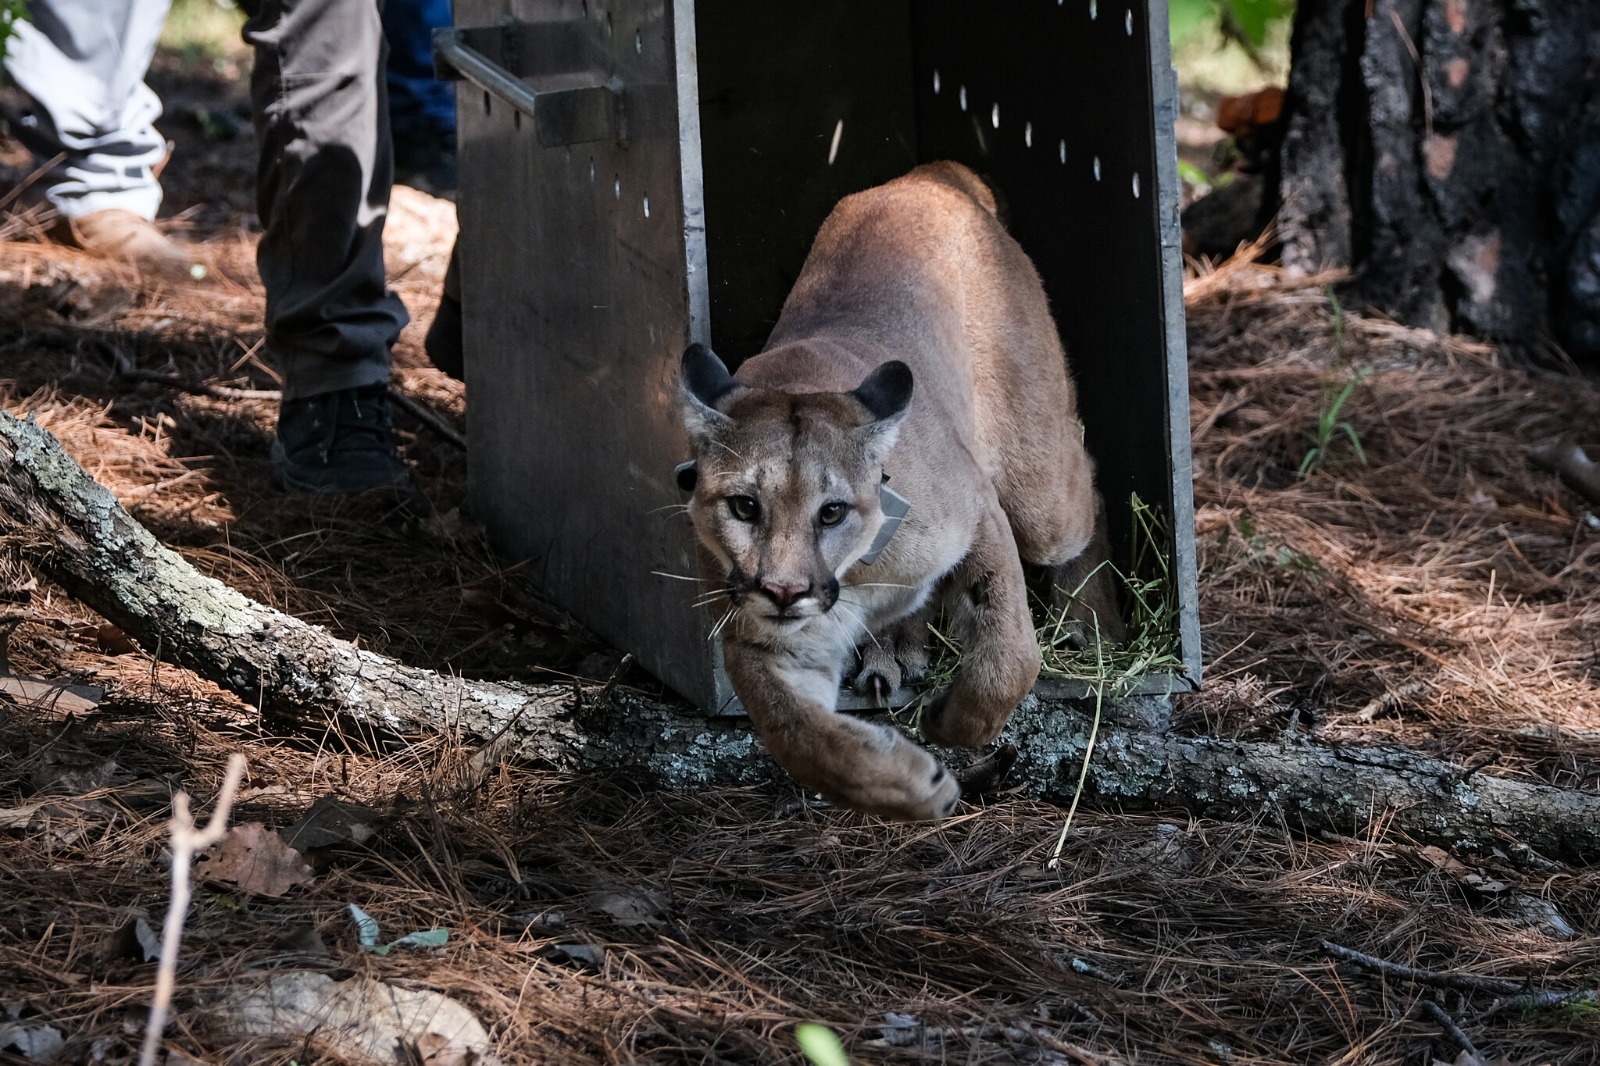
x,y
422,109
82,65
322,194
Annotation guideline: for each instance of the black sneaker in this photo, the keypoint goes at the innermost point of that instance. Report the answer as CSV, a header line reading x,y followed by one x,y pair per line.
x,y
338,442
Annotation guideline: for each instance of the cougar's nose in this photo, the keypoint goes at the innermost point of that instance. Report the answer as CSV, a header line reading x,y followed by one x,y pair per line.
x,y
784,595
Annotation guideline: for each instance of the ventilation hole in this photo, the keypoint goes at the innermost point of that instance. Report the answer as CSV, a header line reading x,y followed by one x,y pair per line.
x,y
1027,134
609,28
1128,22
936,83
638,42
516,120
616,187
1094,10
962,96
591,168
485,103
1135,186
647,204
1096,168
833,146
1063,152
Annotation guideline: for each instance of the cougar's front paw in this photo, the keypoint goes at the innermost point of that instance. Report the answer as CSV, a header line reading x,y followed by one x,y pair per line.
x,y
900,780
879,674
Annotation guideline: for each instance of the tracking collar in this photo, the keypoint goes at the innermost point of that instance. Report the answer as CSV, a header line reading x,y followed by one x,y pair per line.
x,y
895,507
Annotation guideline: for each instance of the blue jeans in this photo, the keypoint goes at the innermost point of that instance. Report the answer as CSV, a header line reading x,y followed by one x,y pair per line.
x,y
419,105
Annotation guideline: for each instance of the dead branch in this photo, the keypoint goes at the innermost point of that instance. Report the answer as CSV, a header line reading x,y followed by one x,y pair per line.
x,y
1451,1029
1461,982
187,841
77,533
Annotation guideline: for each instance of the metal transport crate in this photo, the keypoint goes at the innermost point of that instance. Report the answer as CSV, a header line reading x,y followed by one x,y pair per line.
x,y
637,175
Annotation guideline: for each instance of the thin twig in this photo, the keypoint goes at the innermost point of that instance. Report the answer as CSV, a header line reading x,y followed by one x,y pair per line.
x,y
124,368
186,841
1458,981
427,418
1451,1029
22,186
1543,1000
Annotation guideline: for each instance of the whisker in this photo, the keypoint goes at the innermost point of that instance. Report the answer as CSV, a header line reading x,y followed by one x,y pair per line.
x,y
729,450
679,507
879,585
679,577
711,597
716,630
857,616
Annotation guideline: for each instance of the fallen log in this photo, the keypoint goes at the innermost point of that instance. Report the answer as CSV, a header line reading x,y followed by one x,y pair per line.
x,y
74,530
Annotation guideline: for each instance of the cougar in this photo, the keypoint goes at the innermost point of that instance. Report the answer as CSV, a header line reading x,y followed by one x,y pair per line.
x,y
915,360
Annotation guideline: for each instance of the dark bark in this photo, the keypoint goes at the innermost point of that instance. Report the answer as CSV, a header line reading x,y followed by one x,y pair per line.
x,y
75,530
1448,152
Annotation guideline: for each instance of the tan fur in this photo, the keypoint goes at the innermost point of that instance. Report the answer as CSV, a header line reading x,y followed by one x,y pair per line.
x,y
989,453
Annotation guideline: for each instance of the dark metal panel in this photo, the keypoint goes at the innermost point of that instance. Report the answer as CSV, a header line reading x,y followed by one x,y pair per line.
x,y
802,102
1055,103
576,284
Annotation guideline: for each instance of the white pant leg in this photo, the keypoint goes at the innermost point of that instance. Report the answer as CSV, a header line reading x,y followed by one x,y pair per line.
x,y
83,64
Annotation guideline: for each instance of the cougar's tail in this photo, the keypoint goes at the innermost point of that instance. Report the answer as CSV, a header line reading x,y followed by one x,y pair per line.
x,y
960,177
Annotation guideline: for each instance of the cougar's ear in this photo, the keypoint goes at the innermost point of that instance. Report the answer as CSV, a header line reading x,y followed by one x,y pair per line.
x,y
703,380
887,394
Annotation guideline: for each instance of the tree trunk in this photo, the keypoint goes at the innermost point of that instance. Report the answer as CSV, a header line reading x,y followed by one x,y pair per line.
x,y
76,532
1448,152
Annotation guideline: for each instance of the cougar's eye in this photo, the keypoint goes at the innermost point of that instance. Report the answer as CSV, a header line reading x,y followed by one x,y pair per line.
x,y
744,508
831,514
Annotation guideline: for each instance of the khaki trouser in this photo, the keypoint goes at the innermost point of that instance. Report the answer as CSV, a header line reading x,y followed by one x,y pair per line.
x,y
326,164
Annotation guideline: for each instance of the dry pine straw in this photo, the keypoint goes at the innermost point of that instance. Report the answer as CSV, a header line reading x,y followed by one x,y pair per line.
x,y
1356,603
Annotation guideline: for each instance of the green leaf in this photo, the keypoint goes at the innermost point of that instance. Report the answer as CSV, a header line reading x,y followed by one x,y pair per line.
x,y
819,1044
1193,175
1254,17
1188,17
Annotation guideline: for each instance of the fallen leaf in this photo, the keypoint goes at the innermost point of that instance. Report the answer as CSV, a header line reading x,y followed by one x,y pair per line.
x,y
591,955
360,1019
113,641
61,696
34,1042
255,860
72,775
1535,912
134,939
331,821
18,817
629,908
149,941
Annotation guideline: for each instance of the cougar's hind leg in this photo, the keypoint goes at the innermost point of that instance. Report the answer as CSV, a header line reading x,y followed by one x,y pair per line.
x,y
894,656
853,763
988,597
1085,588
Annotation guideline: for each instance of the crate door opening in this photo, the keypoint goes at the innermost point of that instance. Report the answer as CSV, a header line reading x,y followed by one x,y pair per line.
x,y
580,299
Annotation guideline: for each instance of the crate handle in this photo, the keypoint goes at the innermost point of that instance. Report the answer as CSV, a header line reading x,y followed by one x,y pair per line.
x,y
568,108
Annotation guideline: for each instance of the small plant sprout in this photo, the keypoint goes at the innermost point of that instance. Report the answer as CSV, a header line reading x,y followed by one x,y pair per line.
x,y
1329,425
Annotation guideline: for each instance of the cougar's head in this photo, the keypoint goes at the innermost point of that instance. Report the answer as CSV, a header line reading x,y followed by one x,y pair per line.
x,y
785,492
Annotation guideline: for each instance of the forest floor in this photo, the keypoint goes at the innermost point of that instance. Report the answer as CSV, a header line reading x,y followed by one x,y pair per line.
x,y
1429,588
